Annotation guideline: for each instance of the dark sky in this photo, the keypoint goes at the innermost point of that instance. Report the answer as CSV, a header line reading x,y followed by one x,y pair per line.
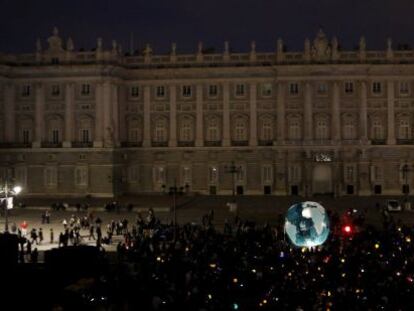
x,y
161,22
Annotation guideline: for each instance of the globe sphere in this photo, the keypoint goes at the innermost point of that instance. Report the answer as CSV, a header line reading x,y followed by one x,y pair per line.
x,y
307,224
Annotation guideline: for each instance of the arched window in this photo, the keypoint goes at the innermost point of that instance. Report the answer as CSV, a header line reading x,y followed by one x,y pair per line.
x,y
294,128
160,130
404,128
213,129
266,129
186,132
55,129
134,130
349,128
85,132
240,129
321,128
377,130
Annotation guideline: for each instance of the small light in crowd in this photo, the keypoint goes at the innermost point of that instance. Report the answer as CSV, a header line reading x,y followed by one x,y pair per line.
x,y
17,189
399,229
187,249
329,293
158,258
235,306
342,260
209,296
347,229
343,275
282,254
254,270
212,265
376,246
398,273
408,239
362,270
410,279
264,301
235,280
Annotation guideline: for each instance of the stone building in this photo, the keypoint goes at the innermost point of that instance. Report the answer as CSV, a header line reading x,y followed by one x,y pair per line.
x,y
103,122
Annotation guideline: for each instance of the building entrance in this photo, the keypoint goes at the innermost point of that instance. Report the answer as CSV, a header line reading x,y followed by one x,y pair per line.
x,y
322,179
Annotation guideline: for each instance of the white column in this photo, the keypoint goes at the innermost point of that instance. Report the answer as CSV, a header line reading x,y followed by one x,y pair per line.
x,y
199,142
335,118
281,123
108,129
390,113
9,113
115,113
308,112
147,119
173,116
363,113
69,106
253,115
226,114
39,116
99,103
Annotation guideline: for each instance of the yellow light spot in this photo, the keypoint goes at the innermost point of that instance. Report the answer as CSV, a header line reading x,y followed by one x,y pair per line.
x,y
343,275
209,296
376,246
290,274
213,265
264,301
254,270
408,239
235,280
158,258
329,294
342,260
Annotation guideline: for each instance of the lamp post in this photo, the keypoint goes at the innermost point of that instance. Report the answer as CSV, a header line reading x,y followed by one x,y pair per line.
x,y
7,193
174,191
233,169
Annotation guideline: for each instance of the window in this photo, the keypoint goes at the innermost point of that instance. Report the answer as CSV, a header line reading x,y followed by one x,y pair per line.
x,y
213,174
85,129
294,173
160,132
134,91
85,136
376,173
240,175
26,90
404,88
349,128
266,131
267,174
26,137
21,175
186,129
160,91
160,175
240,130
293,89
377,130
186,175
295,129
240,90
322,130
81,176
376,87
213,130
349,173
349,87
55,90
186,91
267,89
50,177
55,60
404,129
212,90
55,136
85,89
322,89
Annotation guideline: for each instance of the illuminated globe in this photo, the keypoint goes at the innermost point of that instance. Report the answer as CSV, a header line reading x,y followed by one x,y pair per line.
x,y
307,224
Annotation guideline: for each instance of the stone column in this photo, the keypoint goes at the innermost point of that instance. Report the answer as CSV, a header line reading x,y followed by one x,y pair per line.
x,y
115,113
69,120
226,114
390,113
173,116
335,118
39,116
308,113
9,113
147,117
363,113
253,115
99,108
281,118
108,128
199,142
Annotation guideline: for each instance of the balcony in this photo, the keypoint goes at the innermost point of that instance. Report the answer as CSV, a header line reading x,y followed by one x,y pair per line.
x,y
405,141
185,144
81,144
159,144
239,143
265,142
48,144
15,145
131,144
212,143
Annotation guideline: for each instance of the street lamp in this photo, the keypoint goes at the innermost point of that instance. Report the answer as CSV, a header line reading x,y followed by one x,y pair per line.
x,y
8,193
174,191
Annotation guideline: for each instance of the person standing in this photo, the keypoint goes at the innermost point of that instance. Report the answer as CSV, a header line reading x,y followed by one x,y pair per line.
x,y
91,232
52,236
40,235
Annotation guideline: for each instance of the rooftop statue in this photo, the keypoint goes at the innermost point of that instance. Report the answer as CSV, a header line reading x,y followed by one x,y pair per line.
x,y
55,42
321,50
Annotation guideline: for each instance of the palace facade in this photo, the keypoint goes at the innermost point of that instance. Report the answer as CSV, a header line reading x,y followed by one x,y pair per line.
x,y
103,122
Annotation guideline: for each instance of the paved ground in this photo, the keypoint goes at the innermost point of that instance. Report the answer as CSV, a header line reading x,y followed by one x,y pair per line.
x,y
260,209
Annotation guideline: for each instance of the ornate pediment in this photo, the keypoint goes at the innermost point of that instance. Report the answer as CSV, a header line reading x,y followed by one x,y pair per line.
x,y
321,51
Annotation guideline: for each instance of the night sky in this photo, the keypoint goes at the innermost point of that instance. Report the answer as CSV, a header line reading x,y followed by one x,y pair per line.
x,y
160,22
